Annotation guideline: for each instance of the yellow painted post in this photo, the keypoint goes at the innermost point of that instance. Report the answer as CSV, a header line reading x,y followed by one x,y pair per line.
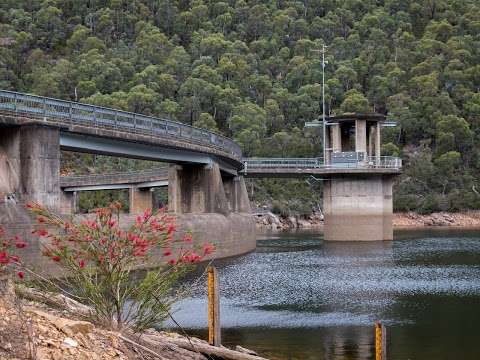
x,y
214,330
380,341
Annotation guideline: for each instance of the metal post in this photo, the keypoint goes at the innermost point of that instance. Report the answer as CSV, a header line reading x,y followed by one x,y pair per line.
x,y
323,105
214,330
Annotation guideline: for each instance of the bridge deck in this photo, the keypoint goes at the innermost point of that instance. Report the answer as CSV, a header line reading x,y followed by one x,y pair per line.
x,y
122,180
100,130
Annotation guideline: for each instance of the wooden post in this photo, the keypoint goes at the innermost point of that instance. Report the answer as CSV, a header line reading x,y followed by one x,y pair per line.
x,y
214,330
380,341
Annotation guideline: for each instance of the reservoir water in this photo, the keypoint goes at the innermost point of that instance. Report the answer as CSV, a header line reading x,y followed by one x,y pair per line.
x,y
298,297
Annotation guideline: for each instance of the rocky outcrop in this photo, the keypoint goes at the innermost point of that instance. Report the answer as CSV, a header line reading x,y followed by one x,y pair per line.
x,y
270,221
461,219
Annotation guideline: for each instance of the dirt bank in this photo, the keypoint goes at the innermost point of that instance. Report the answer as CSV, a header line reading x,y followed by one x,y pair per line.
x,y
33,330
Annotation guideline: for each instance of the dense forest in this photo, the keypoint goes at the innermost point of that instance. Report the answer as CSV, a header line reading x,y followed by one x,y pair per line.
x,y
248,69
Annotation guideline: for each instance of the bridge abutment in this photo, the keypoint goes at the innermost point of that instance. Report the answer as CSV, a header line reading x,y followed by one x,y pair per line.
x,y
358,208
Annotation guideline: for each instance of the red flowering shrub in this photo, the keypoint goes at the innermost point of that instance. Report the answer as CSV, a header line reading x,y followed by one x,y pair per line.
x,y
8,259
98,255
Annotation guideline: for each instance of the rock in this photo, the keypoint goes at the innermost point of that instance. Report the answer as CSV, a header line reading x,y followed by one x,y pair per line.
x,y
304,224
72,327
69,342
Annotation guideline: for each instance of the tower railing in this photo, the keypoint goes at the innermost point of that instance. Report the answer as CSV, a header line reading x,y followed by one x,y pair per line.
x,y
70,112
363,162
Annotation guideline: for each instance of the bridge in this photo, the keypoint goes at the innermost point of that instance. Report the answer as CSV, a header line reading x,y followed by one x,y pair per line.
x,y
206,174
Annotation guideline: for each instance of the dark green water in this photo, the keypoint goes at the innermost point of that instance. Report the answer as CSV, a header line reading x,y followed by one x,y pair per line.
x,y
298,297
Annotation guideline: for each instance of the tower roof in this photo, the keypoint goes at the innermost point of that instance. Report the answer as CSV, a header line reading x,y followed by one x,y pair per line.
x,y
357,116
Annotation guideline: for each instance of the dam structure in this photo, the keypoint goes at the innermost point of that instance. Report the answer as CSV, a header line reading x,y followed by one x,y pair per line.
x,y
205,176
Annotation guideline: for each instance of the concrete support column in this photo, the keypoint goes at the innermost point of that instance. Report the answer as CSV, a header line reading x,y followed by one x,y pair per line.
x,y
336,138
237,195
358,208
196,189
361,136
69,202
9,162
140,200
378,148
40,165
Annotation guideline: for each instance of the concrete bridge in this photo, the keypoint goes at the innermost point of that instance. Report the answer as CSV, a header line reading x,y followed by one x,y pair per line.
x,y
206,188
206,191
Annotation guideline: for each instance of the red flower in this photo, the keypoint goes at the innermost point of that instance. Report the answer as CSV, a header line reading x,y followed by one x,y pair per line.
x,y
171,228
40,219
81,263
208,249
4,258
56,258
42,232
167,253
147,214
187,238
20,244
21,274
111,223
172,262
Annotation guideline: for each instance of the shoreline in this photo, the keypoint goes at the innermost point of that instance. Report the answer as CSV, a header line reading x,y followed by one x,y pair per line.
x,y
403,221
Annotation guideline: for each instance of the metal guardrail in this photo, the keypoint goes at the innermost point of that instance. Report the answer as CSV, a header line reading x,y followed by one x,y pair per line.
x,y
115,176
83,114
369,162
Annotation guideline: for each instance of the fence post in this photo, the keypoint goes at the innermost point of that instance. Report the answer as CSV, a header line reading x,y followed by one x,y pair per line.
x,y
380,341
214,330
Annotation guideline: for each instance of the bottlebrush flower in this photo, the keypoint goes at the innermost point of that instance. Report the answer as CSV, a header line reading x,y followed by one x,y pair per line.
x,y
20,244
21,274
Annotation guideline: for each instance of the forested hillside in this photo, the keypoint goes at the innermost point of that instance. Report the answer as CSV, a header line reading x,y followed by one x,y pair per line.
x,y
246,69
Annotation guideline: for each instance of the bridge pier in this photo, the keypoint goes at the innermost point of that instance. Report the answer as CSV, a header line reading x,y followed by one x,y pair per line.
x,y
196,189
30,166
237,195
141,199
358,208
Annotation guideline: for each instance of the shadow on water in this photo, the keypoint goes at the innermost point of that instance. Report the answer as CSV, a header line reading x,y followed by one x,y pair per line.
x,y
298,297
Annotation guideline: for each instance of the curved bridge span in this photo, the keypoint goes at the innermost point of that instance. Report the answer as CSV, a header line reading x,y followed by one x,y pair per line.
x,y
205,190
100,130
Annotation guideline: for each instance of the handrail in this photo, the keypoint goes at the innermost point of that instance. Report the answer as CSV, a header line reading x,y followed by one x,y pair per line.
x,y
369,162
161,172
65,111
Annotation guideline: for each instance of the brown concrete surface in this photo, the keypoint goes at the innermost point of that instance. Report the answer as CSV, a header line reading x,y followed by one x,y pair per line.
x,y
140,200
358,209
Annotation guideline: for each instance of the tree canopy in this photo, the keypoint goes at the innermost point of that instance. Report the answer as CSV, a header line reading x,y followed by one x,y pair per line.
x,y
246,69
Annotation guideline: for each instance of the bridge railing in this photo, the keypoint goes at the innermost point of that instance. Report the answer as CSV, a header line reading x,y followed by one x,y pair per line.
x,y
91,115
369,162
114,177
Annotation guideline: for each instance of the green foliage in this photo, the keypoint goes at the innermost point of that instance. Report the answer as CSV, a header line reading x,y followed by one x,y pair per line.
x,y
99,257
247,69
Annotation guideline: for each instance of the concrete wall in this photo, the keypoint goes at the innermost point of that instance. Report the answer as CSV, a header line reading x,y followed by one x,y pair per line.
x,y
358,208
